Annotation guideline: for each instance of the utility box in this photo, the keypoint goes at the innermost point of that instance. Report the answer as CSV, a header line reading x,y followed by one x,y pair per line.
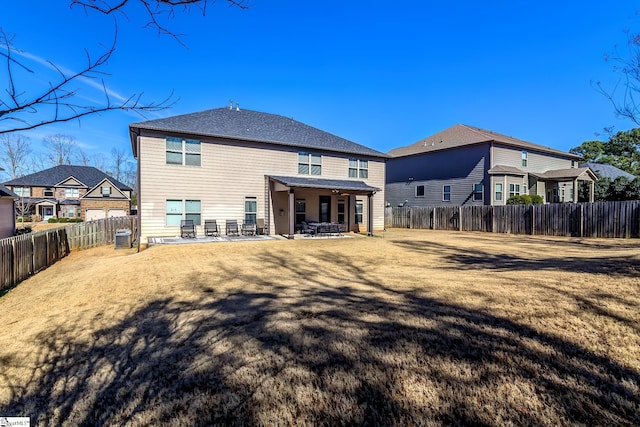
x,y
123,239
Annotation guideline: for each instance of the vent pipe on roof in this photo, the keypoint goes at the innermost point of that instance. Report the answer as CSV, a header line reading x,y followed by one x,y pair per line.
x,y
231,104
237,106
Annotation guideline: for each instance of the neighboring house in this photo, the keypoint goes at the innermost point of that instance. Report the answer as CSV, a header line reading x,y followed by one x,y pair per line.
x,y
232,164
68,191
464,165
604,170
7,212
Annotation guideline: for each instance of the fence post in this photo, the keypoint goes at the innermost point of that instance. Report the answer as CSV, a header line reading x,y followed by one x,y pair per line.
x,y
459,218
581,219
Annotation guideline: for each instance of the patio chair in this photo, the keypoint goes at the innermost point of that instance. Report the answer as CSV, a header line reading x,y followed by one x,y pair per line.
x,y
323,229
248,228
211,228
232,227
307,229
261,227
334,229
187,228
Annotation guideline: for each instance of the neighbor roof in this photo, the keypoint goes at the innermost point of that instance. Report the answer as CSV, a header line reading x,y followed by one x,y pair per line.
x,y
337,184
254,126
88,175
463,135
607,171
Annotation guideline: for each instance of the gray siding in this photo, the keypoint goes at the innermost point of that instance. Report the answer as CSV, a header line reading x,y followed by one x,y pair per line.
x,y
460,168
536,161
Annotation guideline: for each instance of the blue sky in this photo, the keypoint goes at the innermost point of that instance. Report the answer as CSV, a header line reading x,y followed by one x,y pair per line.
x,y
381,73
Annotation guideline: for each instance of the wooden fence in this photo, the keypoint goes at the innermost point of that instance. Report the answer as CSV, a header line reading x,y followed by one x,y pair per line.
x,y
602,219
25,255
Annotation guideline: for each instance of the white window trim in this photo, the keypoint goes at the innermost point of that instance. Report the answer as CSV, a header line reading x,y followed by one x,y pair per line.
x,y
183,151
444,192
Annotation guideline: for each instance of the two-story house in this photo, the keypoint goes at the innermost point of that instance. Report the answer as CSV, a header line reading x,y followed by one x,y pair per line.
x,y
69,191
464,165
232,164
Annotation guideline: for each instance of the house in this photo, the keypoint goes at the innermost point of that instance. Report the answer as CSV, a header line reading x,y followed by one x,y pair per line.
x,y
7,212
464,165
232,164
68,191
604,170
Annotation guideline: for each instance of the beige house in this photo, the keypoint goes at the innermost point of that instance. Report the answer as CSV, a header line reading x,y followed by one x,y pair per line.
x,y
465,165
69,191
7,212
248,166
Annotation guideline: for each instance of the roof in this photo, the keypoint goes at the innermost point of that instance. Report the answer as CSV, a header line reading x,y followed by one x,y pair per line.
x,y
464,135
247,125
88,175
506,170
570,173
5,192
607,171
333,184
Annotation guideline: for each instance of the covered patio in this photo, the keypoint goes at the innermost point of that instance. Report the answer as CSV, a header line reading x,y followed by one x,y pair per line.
x,y
297,200
562,185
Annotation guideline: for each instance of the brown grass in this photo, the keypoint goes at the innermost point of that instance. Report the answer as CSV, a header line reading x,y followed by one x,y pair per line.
x,y
418,327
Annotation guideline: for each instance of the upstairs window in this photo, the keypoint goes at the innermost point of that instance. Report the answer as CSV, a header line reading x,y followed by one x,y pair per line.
x,y
71,193
309,163
524,159
183,151
478,192
22,191
358,168
48,192
106,191
420,191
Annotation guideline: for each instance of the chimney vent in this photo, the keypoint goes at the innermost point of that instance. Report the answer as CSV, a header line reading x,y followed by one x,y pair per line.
x,y
231,104
237,106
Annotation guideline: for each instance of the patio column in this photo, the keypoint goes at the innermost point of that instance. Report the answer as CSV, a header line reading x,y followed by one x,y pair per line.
x,y
292,217
370,214
575,190
592,191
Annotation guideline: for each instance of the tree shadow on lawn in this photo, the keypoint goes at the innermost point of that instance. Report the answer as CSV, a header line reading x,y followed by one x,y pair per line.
x,y
336,347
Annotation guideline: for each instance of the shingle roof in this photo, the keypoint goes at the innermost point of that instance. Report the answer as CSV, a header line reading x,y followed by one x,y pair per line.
x,y
338,184
88,175
506,170
564,173
5,192
462,135
607,171
254,126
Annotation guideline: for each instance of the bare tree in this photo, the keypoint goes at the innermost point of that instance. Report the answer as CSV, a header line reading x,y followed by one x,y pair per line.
x,y
119,159
62,99
624,94
60,148
14,151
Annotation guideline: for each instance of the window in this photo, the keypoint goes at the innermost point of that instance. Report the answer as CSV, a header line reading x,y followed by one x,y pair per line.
x,y
420,191
71,193
183,151
524,158
446,193
106,191
309,164
514,190
341,211
573,163
174,212
48,192
358,168
22,191
192,211
478,192
301,211
498,191
359,211
250,210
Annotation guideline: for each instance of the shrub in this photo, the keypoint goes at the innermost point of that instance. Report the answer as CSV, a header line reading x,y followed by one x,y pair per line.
x,y
525,199
23,219
24,230
53,220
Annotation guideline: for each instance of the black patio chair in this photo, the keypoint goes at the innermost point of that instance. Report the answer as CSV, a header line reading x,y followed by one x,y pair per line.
x,y
248,228
187,228
211,228
232,227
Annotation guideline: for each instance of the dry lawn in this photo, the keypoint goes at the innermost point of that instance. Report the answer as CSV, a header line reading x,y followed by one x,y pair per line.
x,y
416,328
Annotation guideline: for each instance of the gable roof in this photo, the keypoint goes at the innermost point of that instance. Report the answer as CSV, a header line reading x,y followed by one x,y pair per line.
x,y
247,125
557,174
607,171
5,192
88,175
463,135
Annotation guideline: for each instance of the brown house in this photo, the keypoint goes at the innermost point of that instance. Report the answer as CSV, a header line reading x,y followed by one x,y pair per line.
x,y
68,191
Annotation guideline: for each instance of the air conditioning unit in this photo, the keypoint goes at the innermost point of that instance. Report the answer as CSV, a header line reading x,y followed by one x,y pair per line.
x,y
123,239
